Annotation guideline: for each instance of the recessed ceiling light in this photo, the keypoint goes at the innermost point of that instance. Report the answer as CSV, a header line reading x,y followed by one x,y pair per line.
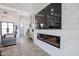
x,y
52,9
52,13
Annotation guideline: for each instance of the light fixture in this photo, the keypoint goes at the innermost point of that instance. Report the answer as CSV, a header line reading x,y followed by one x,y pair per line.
x,y
5,12
41,24
21,25
52,13
52,9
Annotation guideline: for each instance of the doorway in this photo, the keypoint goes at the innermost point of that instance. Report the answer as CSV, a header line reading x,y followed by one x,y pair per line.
x,y
7,33
23,25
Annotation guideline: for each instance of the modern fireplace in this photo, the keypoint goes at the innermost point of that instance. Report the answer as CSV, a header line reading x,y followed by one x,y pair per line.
x,y
50,39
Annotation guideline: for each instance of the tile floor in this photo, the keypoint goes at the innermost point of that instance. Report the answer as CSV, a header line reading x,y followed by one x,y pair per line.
x,y
24,47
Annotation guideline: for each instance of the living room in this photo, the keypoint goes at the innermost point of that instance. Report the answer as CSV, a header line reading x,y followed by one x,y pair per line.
x,y
52,29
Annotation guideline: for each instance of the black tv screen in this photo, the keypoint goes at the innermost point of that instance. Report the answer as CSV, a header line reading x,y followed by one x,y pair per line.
x,y
49,17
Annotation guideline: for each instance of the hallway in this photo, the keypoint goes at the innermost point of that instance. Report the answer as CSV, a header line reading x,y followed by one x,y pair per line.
x,y
24,47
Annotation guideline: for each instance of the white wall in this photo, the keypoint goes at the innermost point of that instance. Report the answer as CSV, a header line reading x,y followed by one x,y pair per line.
x,y
69,33
38,7
70,16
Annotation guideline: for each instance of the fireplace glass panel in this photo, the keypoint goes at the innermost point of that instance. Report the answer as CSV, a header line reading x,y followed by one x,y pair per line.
x,y
50,39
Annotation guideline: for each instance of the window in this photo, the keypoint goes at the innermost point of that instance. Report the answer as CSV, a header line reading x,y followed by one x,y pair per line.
x,y
10,26
7,28
4,28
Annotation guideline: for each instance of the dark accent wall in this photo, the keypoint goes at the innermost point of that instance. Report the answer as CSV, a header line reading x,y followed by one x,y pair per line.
x,y
50,16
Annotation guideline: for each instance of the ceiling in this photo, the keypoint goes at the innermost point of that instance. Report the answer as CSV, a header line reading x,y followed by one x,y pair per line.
x,y
20,6
7,12
27,7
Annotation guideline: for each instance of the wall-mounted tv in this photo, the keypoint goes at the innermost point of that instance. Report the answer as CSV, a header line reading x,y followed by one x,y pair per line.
x,y
49,17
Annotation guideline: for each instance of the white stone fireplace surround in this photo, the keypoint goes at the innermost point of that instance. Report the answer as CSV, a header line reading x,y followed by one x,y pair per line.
x,y
69,44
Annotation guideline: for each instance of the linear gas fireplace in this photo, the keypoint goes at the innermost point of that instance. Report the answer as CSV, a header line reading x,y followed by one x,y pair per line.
x,y
50,39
